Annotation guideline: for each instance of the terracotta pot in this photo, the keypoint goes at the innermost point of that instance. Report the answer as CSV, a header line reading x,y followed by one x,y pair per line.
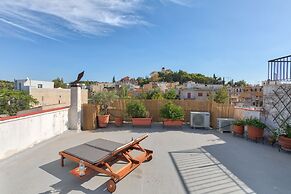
x,y
285,142
103,120
255,133
118,121
172,123
237,129
141,121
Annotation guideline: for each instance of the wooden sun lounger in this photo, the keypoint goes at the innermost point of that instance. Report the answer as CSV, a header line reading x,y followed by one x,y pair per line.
x,y
100,154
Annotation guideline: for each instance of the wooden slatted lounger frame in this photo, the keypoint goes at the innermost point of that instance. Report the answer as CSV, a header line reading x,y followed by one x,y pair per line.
x,y
122,153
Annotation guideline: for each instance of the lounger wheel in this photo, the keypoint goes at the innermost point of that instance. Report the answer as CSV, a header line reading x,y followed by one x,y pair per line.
x,y
111,186
149,158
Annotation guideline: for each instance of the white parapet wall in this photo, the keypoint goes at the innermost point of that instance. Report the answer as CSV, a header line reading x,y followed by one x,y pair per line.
x,y
245,113
23,131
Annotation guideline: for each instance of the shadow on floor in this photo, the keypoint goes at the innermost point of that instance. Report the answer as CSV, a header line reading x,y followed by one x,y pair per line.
x,y
261,166
156,127
68,182
199,172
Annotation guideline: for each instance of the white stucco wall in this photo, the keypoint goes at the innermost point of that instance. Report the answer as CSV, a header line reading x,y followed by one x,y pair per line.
x,y
26,84
75,109
54,96
20,133
244,113
270,98
252,114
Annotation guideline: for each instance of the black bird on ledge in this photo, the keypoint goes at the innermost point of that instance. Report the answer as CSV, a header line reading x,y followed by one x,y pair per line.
x,y
77,81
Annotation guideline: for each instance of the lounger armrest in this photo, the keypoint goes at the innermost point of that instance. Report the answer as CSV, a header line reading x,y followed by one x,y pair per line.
x,y
129,144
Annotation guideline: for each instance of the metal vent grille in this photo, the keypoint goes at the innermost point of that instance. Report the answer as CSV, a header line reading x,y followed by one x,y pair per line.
x,y
198,120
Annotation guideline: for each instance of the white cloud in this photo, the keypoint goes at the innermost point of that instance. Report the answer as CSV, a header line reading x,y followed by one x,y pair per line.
x,y
49,17
52,18
179,2
26,29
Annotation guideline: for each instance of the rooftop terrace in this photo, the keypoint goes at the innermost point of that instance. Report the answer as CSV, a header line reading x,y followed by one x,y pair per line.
x,y
185,161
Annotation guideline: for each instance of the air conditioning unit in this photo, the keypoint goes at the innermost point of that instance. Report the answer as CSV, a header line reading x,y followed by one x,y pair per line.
x,y
224,124
200,120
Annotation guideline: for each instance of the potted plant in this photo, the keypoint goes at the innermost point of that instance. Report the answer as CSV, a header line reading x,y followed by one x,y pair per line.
x,y
103,99
118,120
172,115
137,111
255,129
238,127
284,139
273,137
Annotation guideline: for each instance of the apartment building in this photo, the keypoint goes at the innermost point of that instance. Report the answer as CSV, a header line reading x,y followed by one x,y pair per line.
x,y
246,96
196,91
45,93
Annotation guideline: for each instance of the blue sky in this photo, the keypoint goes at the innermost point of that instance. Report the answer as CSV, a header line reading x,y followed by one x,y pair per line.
x,y
52,38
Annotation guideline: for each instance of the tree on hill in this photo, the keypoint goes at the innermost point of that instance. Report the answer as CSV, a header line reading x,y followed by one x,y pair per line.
x,y
170,94
240,83
59,83
142,81
88,82
152,94
182,77
123,92
155,94
6,85
12,101
221,96
230,83
113,79
154,77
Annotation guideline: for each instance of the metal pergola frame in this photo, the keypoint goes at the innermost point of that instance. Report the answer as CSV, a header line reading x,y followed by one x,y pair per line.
x,y
279,69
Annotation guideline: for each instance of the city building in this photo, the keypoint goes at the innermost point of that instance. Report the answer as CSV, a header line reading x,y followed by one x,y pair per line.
x,y
26,84
45,93
55,96
196,91
102,86
246,96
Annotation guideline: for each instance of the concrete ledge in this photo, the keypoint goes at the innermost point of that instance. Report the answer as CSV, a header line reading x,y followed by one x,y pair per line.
x,y
23,131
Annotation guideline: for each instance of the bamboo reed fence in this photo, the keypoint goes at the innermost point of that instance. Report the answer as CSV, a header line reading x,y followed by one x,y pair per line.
x,y
118,108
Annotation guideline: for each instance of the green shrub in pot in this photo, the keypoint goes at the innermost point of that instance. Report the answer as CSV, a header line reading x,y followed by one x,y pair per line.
x,y
284,138
136,109
255,129
254,122
238,127
104,100
172,111
239,122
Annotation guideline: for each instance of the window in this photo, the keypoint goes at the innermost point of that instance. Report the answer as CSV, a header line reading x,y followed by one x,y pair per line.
x,y
188,95
200,94
19,86
39,85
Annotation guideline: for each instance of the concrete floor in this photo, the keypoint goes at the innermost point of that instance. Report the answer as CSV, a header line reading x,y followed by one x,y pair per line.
x,y
185,161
